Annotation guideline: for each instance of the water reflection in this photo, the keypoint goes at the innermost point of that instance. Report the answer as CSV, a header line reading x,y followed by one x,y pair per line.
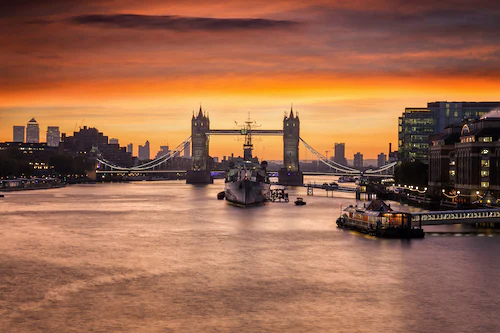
x,y
166,256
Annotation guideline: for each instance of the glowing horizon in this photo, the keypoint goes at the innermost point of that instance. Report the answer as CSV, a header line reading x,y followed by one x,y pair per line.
x,y
136,72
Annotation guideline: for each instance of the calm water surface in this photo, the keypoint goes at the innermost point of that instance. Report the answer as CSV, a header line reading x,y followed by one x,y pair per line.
x,y
170,257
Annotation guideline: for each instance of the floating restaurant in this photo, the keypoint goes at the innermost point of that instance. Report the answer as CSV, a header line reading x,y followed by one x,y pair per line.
x,y
378,219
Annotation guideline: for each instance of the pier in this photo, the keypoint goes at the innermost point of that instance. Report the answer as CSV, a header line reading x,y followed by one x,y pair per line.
x,y
483,217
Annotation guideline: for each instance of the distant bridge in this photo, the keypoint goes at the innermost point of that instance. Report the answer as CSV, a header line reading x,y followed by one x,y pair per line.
x,y
200,171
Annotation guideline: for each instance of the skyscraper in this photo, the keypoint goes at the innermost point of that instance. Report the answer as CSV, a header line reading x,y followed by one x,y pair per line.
x,y
339,151
32,132
53,136
381,160
144,152
18,134
358,160
164,150
113,141
130,148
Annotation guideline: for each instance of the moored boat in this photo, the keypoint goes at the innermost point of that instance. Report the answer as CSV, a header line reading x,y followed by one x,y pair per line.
x,y
378,219
247,183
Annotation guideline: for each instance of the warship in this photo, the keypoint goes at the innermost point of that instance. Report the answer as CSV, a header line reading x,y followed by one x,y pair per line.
x,y
247,182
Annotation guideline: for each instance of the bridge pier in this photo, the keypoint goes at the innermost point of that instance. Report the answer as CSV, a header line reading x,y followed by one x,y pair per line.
x,y
199,177
290,178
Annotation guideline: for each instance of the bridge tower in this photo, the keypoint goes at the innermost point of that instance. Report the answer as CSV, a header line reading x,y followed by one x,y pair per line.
x,y
290,174
200,166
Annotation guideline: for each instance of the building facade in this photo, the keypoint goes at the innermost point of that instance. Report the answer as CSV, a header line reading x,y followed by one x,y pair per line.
x,y
32,132
144,152
464,159
358,160
18,134
53,136
339,153
84,142
113,141
381,160
416,125
164,150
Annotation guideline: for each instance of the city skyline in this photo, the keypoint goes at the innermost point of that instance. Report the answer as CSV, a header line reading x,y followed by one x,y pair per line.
x,y
136,72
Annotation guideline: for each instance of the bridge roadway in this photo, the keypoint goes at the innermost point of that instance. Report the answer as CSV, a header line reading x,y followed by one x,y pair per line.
x,y
243,131
471,216
271,173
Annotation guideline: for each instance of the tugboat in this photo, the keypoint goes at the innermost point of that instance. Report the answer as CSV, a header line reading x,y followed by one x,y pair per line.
x,y
246,181
378,219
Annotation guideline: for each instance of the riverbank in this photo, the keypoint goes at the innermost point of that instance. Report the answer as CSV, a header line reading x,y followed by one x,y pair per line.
x,y
30,188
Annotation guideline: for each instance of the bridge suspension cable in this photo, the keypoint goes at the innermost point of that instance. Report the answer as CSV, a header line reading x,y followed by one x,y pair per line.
x,y
151,164
382,169
334,165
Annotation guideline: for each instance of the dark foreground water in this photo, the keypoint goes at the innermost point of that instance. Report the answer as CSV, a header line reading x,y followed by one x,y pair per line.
x,y
168,257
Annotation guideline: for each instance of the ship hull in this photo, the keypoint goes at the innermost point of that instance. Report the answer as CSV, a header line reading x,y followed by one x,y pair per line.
x,y
247,192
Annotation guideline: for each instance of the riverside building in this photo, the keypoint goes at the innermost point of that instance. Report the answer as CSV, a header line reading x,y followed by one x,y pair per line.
x,y
416,125
464,160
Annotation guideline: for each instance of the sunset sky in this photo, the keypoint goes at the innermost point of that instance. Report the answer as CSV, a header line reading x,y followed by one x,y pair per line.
x,y
137,70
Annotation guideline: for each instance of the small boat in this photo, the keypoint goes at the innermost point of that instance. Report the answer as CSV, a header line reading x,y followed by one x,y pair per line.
x,y
300,202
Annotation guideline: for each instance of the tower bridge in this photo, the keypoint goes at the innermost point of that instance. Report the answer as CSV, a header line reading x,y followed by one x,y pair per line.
x,y
200,133
200,171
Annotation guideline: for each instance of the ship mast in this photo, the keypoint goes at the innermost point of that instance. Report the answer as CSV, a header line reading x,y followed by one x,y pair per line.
x,y
248,146
246,130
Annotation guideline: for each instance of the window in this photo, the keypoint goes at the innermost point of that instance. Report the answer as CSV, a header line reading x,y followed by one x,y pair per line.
x,y
452,173
486,139
485,184
485,163
485,173
452,162
485,152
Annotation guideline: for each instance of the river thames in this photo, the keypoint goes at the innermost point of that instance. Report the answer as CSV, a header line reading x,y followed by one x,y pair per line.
x,y
169,257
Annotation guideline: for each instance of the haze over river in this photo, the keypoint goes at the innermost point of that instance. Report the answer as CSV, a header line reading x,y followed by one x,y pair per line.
x,y
169,257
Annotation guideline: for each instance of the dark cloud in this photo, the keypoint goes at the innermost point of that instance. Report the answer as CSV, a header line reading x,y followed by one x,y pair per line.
x,y
431,21
179,23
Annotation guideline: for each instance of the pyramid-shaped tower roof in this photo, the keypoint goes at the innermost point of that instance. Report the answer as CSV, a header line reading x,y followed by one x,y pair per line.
x,y
32,120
